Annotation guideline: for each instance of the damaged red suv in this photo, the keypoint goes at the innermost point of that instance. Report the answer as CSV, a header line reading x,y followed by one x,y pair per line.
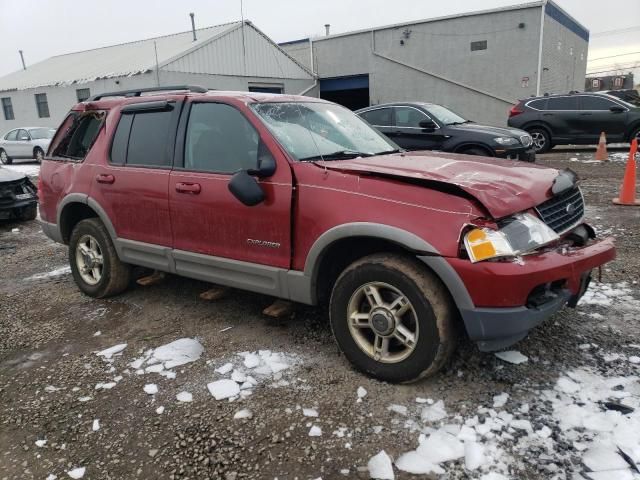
x,y
300,199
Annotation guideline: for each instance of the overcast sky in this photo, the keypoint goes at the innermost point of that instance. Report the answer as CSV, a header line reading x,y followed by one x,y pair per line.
x,y
46,28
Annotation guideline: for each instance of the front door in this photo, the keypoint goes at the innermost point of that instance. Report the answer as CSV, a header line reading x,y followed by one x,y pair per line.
x,y
213,231
596,117
410,135
10,144
23,146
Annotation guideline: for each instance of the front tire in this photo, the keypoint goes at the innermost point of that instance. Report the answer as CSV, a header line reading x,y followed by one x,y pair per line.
x,y
393,318
95,265
541,140
38,154
4,158
477,151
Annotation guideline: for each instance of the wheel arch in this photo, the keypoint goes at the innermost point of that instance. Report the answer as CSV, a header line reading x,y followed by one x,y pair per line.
x,y
337,248
463,147
76,207
632,129
537,124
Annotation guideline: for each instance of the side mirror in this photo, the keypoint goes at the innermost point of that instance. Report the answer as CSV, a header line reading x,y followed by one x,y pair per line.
x,y
428,125
617,109
266,163
246,188
24,138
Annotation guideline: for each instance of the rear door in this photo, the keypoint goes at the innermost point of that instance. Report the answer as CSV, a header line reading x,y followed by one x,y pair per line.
x,y
410,135
9,143
131,185
216,140
596,117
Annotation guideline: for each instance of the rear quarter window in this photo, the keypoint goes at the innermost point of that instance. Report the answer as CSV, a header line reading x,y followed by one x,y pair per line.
x,y
77,135
540,104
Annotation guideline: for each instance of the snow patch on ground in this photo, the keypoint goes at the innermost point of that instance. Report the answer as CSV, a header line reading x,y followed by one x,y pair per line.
x,y
617,295
380,467
111,351
162,359
512,356
58,272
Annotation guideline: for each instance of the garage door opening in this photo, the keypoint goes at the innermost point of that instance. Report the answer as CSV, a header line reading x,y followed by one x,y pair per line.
x,y
351,92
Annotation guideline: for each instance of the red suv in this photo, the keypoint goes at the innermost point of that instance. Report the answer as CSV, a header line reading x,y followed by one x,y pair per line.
x,y
299,198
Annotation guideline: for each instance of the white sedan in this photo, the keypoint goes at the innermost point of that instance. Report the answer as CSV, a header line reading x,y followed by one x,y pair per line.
x,y
26,142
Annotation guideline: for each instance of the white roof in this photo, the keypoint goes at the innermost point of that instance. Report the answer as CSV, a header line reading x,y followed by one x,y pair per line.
x,y
125,59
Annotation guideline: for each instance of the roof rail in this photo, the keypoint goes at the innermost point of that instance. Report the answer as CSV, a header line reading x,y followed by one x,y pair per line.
x,y
138,91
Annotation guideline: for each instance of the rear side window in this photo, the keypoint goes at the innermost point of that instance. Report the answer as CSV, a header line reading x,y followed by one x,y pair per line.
x,y
563,103
538,104
596,103
380,117
141,139
80,134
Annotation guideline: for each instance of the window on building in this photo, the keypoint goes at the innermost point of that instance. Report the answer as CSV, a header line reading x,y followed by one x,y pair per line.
x,y
563,103
83,94
266,88
618,82
596,103
480,45
220,139
595,83
80,132
380,117
43,105
7,108
409,117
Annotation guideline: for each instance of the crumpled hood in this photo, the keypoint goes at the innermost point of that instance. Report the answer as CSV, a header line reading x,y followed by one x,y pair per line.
x,y
503,187
489,130
7,175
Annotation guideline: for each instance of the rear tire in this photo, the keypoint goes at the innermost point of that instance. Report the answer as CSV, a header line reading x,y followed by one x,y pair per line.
x,y
95,265
541,140
38,154
377,336
635,134
4,158
29,213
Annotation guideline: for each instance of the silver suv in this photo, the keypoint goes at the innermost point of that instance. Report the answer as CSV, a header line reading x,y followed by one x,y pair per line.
x,y
26,142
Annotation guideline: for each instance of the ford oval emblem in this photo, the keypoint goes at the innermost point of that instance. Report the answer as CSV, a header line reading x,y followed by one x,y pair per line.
x,y
570,208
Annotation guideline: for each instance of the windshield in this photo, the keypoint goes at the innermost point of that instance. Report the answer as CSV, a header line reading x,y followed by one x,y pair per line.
x,y
445,116
313,130
42,133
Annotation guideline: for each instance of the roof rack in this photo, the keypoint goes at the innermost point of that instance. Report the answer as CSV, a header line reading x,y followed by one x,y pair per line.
x,y
138,91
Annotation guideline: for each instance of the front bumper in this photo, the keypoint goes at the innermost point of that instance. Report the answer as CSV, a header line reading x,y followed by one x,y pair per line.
x,y
525,154
501,292
12,210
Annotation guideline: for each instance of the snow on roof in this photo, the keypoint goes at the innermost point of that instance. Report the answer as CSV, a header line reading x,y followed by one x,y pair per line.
x,y
125,59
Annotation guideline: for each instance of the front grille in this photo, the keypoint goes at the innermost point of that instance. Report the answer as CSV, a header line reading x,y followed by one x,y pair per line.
x,y
526,140
563,211
9,190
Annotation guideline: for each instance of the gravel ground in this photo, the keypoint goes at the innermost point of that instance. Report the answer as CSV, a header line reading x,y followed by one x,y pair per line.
x,y
49,366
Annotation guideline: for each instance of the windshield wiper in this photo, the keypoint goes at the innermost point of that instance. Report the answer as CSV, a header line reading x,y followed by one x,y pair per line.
x,y
389,152
339,155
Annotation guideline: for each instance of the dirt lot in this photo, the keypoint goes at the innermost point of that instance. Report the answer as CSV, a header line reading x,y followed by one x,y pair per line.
x,y
53,385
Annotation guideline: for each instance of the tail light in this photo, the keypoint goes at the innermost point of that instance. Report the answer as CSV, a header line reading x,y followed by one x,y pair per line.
x,y
515,110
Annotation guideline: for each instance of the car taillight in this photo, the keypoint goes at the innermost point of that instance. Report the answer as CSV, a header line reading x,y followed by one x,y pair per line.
x,y
515,110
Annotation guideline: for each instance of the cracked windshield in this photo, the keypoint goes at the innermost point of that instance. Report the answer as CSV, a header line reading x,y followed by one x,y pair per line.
x,y
320,131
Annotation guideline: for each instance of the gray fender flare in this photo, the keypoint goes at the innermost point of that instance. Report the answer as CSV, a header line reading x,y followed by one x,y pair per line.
x,y
90,202
424,251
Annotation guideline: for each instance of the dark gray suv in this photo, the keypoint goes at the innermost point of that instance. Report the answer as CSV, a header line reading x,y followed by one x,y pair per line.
x,y
575,118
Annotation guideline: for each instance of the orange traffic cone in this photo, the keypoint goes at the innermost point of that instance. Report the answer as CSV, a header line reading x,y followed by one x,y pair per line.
x,y
628,189
601,152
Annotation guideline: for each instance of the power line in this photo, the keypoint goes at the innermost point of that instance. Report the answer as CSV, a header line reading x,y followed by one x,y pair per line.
x,y
615,32
632,67
614,56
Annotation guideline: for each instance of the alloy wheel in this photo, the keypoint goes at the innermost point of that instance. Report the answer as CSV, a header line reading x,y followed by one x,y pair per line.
x,y
383,322
539,140
89,260
39,155
4,157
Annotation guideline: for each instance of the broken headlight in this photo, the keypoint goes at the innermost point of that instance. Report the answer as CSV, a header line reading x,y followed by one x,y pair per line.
x,y
517,235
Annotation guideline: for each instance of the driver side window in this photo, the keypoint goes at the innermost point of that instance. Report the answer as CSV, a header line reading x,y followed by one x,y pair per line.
x,y
409,117
219,140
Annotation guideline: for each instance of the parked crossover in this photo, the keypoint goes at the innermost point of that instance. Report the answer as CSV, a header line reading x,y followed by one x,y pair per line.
x,y
577,119
427,126
299,198
28,142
